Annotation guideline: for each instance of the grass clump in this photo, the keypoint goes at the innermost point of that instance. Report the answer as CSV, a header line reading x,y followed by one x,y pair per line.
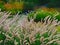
x,y
19,31
41,13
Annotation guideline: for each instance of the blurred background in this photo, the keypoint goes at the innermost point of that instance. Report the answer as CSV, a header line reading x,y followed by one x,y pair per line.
x,y
23,6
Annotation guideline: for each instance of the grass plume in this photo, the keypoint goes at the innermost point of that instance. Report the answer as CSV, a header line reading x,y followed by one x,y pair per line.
x,y
19,31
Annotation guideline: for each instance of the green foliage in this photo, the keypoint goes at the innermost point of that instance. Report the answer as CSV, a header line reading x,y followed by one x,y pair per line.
x,y
58,28
40,14
5,1
9,42
14,8
54,3
14,11
17,40
2,6
58,17
28,6
2,37
37,2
